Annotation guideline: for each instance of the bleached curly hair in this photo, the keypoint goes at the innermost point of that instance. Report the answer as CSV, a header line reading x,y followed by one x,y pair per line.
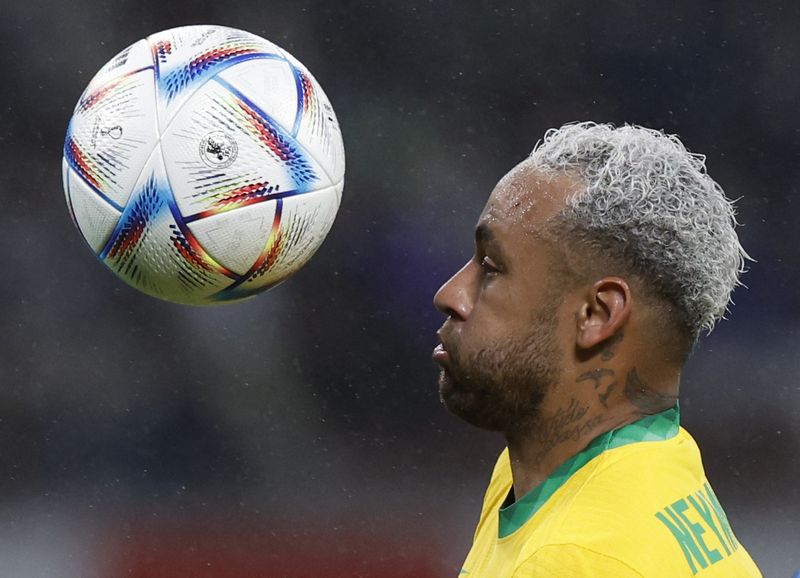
x,y
649,203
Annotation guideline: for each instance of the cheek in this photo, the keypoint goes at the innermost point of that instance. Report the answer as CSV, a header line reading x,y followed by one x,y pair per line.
x,y
500,300
495,297
502,312
492,320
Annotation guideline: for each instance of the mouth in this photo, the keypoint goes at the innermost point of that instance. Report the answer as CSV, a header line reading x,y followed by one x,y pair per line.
x,y
440,355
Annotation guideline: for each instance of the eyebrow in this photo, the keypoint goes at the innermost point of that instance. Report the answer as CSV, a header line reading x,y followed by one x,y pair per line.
x,y
483,233
485,237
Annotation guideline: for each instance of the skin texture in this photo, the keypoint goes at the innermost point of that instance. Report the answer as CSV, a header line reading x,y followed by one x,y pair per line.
x,y
549,363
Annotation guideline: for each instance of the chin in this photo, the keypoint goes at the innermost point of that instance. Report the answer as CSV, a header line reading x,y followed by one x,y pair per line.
x,y
445,385
471,406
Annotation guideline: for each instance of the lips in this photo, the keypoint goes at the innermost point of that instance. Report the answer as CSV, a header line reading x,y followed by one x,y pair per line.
x,y
440,355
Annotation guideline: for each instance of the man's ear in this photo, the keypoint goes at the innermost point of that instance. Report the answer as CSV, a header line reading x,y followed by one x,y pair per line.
x,y
603,313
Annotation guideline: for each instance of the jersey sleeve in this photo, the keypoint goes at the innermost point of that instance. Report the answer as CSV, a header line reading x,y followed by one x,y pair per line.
x,y
572,561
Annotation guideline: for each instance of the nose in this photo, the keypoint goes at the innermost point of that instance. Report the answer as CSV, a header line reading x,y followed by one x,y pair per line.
x,y
454,298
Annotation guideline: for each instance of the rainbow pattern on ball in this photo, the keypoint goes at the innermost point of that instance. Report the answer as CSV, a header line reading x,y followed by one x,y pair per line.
x,y
175,75
203,165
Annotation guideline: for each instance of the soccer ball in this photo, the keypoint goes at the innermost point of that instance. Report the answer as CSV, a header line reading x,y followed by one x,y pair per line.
x,y
203,165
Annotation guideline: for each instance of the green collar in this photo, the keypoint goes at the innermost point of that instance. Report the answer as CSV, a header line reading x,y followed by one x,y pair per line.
x,y
656,427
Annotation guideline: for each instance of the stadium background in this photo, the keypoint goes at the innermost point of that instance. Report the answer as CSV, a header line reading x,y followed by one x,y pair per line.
x,y
300,434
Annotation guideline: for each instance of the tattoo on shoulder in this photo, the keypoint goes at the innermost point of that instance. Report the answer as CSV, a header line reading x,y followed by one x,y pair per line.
x,y
643,397
597,377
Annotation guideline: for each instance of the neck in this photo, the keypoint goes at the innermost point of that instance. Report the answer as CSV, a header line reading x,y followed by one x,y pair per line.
x,y
571,417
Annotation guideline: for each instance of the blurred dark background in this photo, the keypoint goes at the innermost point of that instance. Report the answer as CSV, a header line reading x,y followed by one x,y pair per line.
x,y
300,433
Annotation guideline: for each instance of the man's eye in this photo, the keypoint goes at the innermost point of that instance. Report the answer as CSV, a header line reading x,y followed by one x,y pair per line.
x,y
488,266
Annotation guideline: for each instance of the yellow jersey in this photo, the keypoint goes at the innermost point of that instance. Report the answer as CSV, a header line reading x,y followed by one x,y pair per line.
x,y
635,503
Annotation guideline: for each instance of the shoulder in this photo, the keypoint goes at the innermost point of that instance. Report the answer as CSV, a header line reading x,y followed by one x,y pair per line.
x,y
572,561
633,481
650,466
630,478
609,511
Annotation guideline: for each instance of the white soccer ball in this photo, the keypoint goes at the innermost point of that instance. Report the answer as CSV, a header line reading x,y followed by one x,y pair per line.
x,y
203,164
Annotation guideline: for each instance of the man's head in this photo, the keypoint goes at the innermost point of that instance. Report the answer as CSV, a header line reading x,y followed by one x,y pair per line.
x,y
601,232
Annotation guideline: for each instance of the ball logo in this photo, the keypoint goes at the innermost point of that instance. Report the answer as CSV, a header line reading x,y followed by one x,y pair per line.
x,y
218,150
100,129
114,132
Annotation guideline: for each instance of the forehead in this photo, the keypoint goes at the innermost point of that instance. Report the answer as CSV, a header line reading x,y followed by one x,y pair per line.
x,y
527,198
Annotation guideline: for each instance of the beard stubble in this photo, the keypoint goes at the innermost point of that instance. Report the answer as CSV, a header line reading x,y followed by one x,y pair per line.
x,y
501,386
